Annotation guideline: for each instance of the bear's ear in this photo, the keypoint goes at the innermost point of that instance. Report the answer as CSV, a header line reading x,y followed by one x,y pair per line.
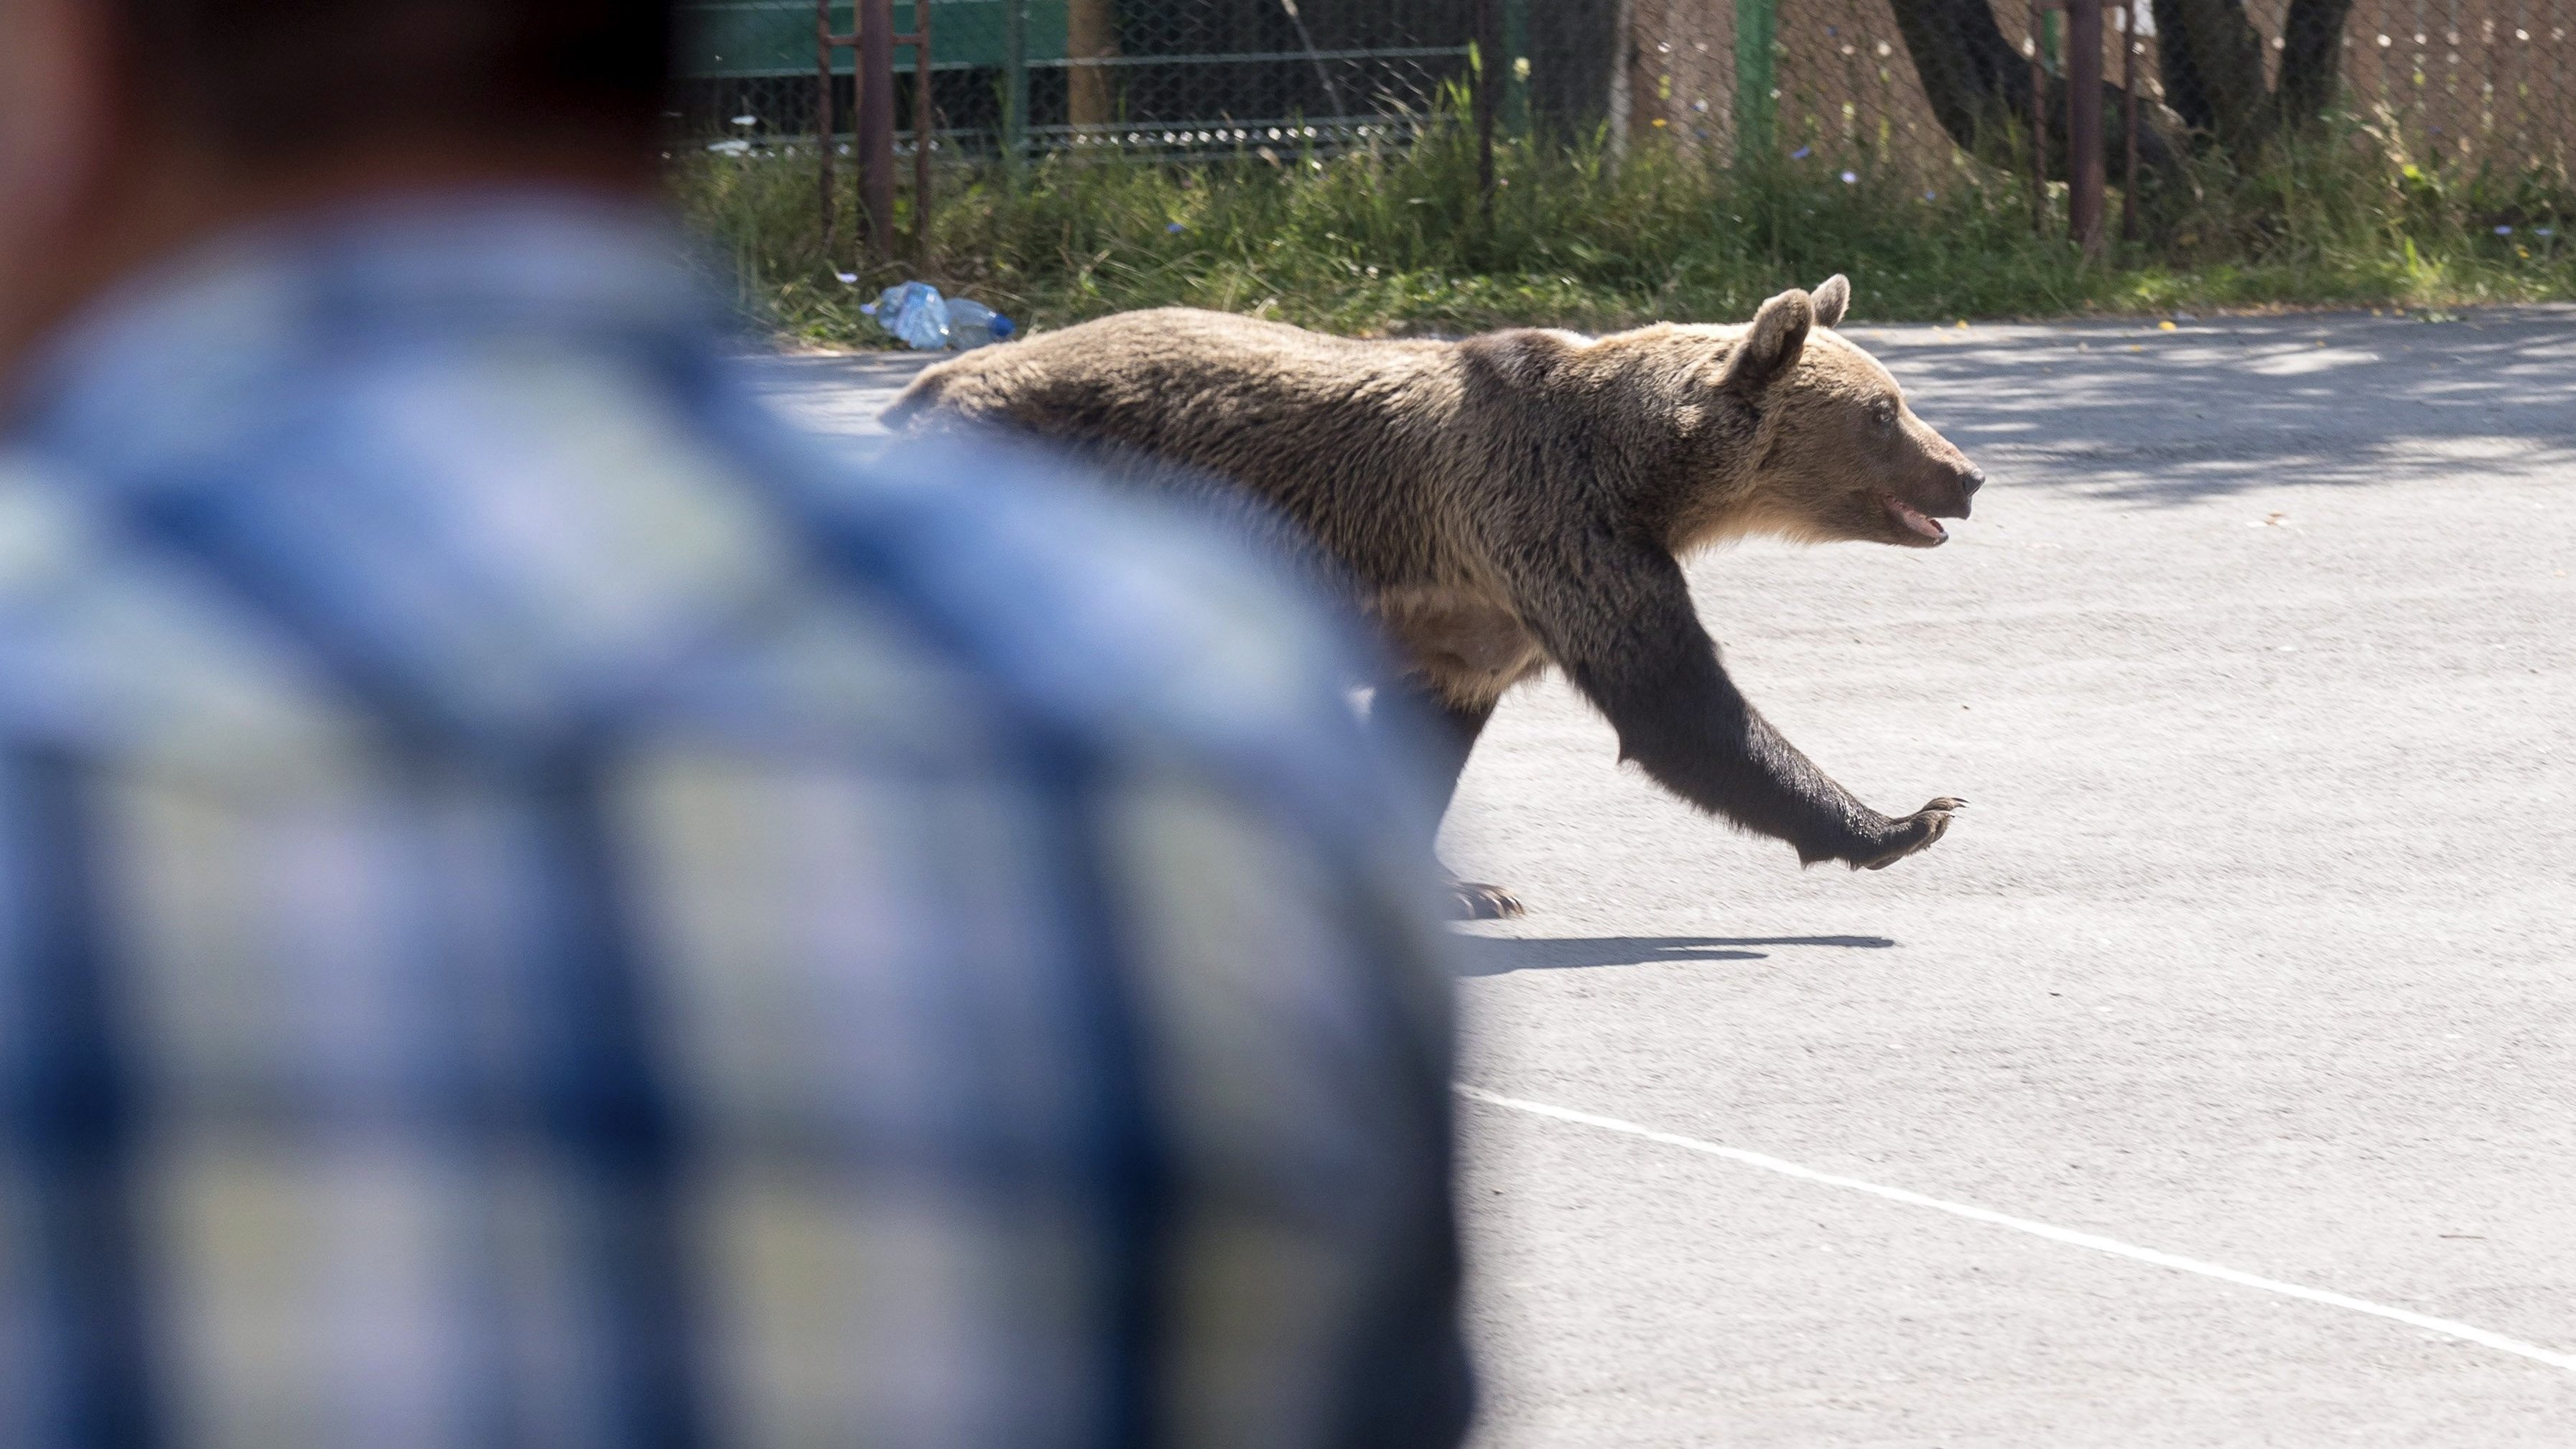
x,y
1832,300
1772,345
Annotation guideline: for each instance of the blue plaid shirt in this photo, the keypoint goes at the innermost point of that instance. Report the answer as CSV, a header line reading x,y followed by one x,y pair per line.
x,y
538,908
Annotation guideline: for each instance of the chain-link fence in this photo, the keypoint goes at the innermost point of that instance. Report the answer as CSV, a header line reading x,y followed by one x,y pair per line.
x,y
1892,82
1141,77
2476,81
2493,80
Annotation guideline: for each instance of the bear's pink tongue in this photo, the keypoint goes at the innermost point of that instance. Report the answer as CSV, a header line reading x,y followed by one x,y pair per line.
x,y
1914,518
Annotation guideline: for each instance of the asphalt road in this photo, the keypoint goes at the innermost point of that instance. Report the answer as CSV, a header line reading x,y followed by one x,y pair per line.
x,y
2257,945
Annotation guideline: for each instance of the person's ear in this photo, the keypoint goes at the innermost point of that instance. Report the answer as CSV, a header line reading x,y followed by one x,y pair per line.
x,y
1773,344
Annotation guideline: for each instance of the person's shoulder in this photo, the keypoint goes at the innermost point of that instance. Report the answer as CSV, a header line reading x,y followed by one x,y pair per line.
x,y
1130,625
111,649
1094,605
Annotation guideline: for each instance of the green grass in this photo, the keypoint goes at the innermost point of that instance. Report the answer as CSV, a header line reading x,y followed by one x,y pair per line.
x,y
1395,240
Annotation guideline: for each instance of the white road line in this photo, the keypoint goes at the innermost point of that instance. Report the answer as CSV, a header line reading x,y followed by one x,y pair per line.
x,y
2069,1236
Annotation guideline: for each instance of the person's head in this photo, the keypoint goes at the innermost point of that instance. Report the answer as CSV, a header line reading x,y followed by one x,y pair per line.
x,y
128,127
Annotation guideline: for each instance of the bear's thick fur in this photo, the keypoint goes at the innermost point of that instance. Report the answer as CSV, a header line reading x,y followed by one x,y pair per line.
x,y
1519,499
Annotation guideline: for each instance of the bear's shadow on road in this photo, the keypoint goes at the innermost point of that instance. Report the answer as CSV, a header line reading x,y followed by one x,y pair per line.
x,y
1502,955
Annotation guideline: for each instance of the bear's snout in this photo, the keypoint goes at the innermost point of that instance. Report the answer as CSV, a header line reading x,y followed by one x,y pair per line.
x,y
1967,480
1944,491
1951,481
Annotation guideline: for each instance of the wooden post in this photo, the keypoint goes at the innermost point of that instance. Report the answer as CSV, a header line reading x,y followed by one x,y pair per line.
x,y
1090,33
2083,70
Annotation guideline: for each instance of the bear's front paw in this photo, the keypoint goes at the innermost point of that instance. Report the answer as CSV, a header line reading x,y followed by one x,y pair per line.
x,y
1910,834
1473,900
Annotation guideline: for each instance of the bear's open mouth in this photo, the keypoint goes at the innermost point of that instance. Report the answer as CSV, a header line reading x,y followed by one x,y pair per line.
x,y
1916,521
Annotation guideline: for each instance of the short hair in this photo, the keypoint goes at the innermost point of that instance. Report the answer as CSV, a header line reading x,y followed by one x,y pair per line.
x,y
276,78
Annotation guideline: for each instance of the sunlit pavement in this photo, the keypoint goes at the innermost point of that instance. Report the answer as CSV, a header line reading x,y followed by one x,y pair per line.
x,y
2257,944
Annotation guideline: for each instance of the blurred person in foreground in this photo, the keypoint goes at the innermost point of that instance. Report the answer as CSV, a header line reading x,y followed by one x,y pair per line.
x,y
535,911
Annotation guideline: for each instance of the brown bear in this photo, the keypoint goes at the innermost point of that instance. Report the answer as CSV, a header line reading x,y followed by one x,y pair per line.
x,y
1520,499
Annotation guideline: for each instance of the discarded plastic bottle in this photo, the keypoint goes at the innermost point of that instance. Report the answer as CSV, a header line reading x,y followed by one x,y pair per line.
x,y
972,324
915,313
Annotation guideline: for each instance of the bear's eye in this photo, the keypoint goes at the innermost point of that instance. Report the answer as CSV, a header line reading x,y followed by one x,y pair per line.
x,y
1884,414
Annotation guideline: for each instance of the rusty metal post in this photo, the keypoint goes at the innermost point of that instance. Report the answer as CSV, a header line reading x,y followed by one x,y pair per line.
x,y
2084,179
2129,48
875,139
823,123
925,119
2038,126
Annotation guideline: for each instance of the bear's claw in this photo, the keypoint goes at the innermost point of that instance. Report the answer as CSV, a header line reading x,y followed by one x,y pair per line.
x,y
1917,831
1476,901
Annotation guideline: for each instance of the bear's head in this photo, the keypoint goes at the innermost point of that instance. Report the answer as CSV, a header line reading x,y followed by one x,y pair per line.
x,y
1834,452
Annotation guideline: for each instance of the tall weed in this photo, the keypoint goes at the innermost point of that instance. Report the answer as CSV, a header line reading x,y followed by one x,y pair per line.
x,y
1397,238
